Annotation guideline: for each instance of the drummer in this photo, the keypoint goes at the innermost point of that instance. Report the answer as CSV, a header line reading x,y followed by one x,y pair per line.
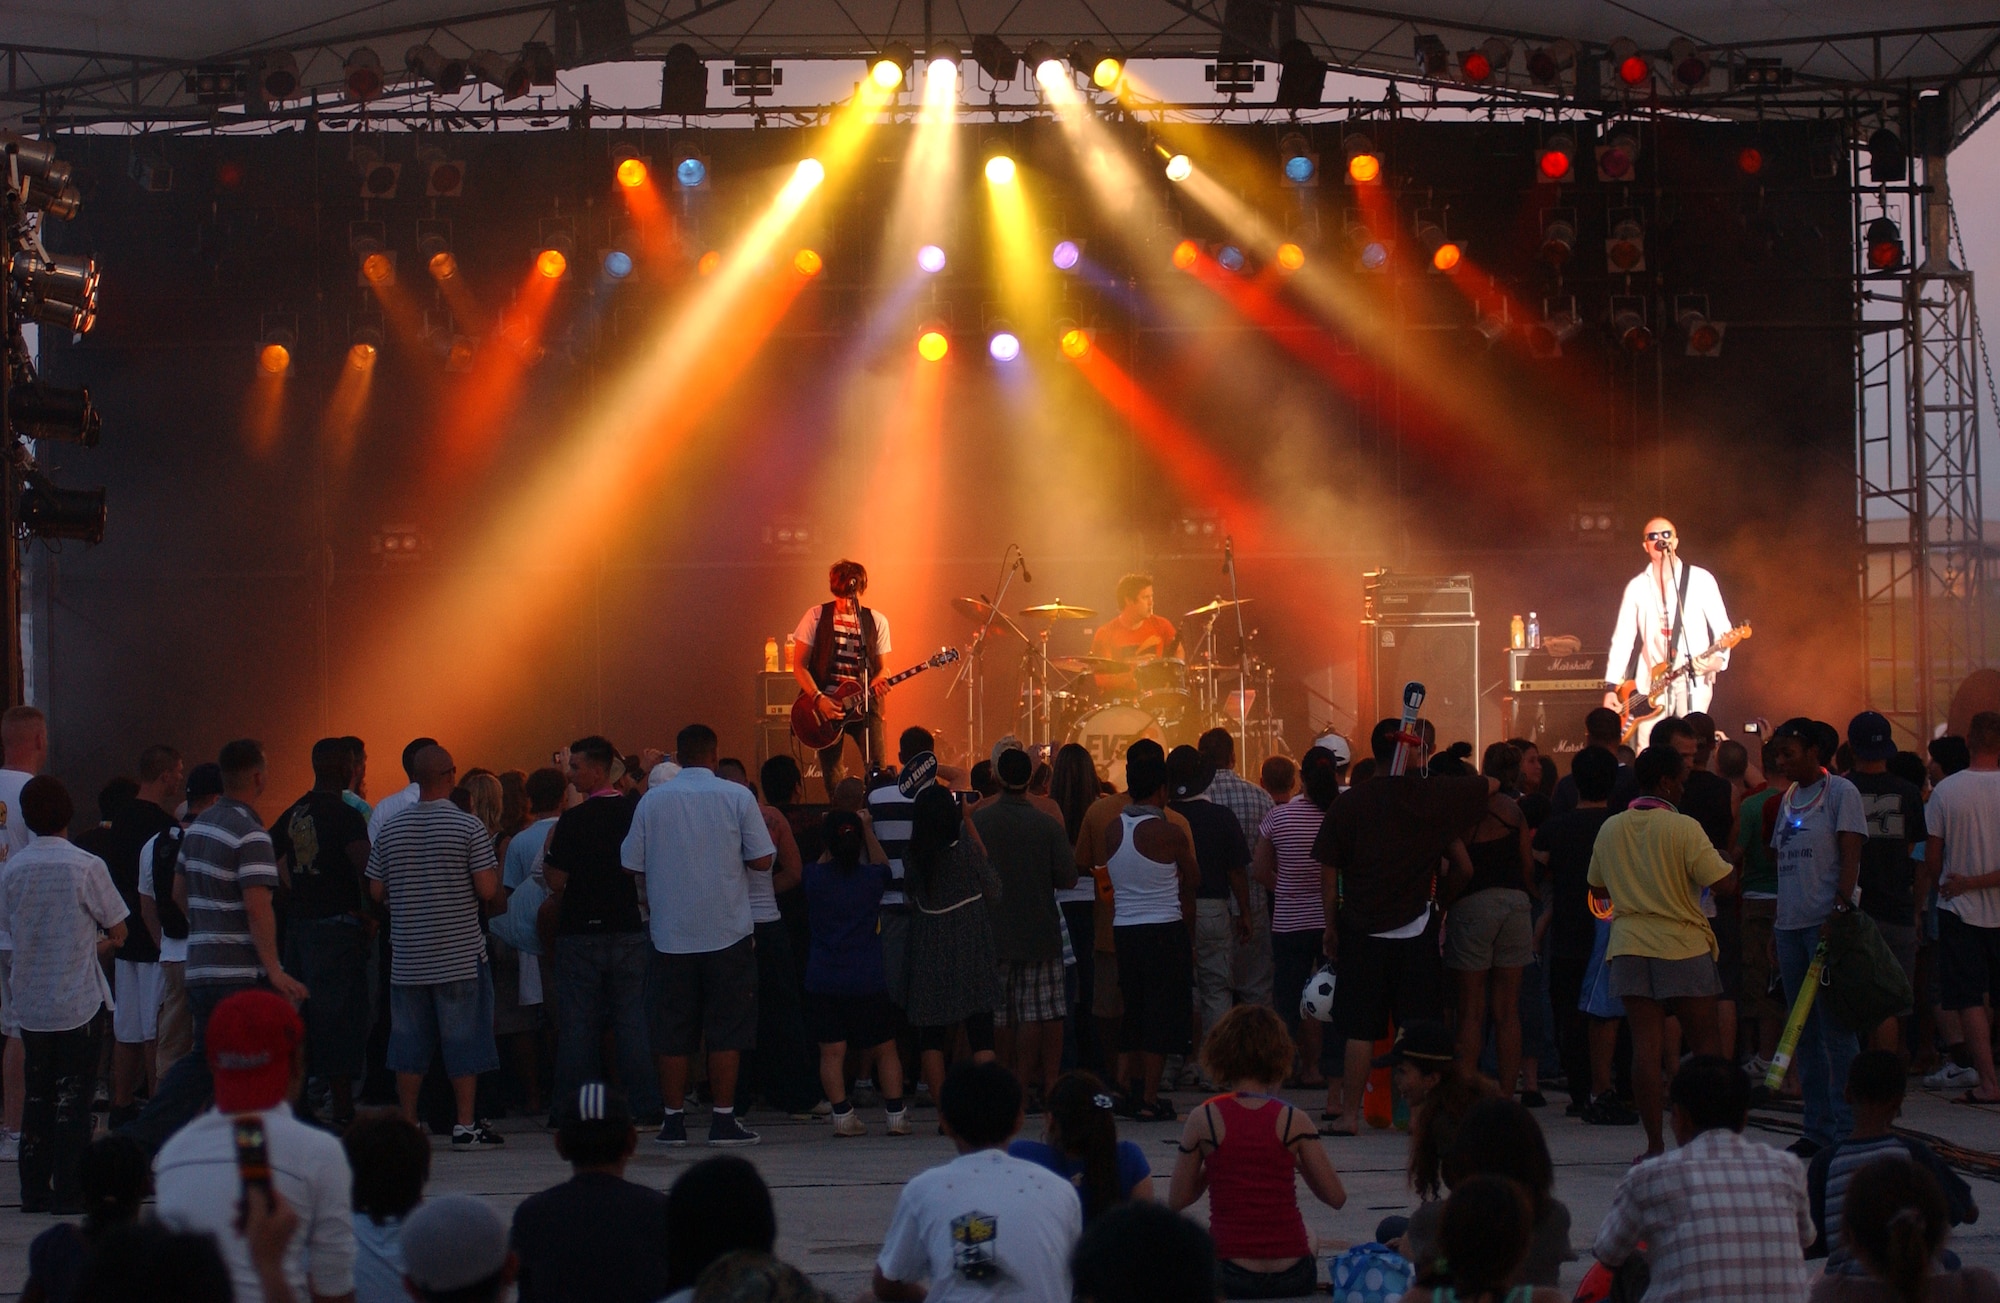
x,y
1135,636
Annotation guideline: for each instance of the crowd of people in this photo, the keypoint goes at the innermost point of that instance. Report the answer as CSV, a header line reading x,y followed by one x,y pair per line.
x,y
649,934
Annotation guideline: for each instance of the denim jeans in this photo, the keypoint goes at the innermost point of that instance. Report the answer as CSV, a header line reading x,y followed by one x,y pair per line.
x,y
1080,1049
600,982
187,1088
55,1117
1825,1048
332,957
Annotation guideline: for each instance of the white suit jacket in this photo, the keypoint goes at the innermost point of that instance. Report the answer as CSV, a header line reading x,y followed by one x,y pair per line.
x,y
1644,617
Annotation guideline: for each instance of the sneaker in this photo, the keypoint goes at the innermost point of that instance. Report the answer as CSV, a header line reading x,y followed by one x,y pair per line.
x,y
673,1131
1607,1111
10,1146
899,1122
819,1112
844,1124
480,1135
725,1131
1952,1077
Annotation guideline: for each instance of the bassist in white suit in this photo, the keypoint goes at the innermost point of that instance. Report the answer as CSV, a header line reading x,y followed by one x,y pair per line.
x,y
1671,610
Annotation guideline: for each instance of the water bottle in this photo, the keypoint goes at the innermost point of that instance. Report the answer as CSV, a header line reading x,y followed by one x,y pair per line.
x,y
1517,636
771,655
791,652
1534,631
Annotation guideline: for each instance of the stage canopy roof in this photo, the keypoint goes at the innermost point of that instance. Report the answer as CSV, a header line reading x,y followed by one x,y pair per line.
x,y
80,60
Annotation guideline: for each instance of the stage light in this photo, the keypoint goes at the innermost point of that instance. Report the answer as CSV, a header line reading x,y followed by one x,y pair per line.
x,y
1364,165
1179,168
538,58
443,266
41,411
996,58
61,281
1475,67
1003,345
1231,259
632,172
1704,337
1887,161
810,172
1447,256
617,264
508,73
1556,158
1066,254
1301,165
1558,235
683,81
459,356
46,511
1632,67
807,262
1444,252
1547,63
1186,254
1073,340
892,66
1559,323
1750,160
1617,154
1000,170
379,269
551,263
1290,256
932,345
1491,322
1625,251
446,76
708,264
444,178
379,177
1885,245
365,348
362,75
1433,60
930,258
1628,324
1301,76
1374,256
690,169
1689,64
275,359
275,76
1104,74
942,60
1046,60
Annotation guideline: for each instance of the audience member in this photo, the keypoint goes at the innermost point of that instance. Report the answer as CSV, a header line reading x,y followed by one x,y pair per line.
x,y
1250,969
1243,1147
116,1178
136,970
1283,861
1491,940
985,1225
403,797
1484,1239
1439,1092
255,1043
846,992
1722,1217
951,888
1763,985
455,1251
1279,777
1964,850
169,923
596,1238
745,1276
66,918
1080,1144
717,1207
1498,1137
1143,1253
149,1262
1222,897
520,925
391,1163
1890,858
1564,843
1153,875
24,739
1601,729
1895,1233
697,840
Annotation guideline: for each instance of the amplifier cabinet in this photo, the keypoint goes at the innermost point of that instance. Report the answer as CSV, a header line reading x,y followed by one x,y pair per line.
x,y
1443,655
1387,596
775,695
1553,721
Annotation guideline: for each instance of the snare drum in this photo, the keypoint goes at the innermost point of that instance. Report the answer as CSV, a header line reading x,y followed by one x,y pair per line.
x,y
1163,686
1108,730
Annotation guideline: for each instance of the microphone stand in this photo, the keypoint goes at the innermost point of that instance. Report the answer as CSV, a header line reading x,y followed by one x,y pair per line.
x,y
1680,622
973,673
1242,653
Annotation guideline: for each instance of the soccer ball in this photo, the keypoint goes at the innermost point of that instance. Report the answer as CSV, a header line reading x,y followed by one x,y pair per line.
x,y
1316,1001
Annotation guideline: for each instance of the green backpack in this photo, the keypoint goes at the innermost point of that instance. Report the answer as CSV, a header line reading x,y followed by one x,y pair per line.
x,y
1864,984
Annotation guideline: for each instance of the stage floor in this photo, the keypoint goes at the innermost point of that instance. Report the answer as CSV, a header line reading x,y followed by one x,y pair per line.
x,y
834,1198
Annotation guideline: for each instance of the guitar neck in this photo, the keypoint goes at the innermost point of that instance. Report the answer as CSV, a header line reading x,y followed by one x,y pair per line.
x,y
900,675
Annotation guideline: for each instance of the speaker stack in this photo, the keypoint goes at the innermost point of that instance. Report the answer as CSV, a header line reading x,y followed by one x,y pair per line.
x,y
1422,628
775,695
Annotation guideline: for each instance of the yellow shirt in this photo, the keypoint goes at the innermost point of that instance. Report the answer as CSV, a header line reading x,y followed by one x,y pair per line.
x,y
1655,862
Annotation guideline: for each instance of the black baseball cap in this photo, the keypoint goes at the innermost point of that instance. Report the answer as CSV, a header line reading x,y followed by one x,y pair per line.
x,y
1188,773
1425,1043
204,779
1871,737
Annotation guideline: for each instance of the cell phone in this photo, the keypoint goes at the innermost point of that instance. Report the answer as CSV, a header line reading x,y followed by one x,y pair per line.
x,y
253,1157
1751,726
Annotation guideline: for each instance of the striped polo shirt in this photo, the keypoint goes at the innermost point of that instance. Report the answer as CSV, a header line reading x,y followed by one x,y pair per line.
x,y
424,858
1298,904
223,851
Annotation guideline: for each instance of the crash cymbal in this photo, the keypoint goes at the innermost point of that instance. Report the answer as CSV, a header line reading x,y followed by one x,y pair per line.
x,y
1089,665
1219,604
1058,611
979,611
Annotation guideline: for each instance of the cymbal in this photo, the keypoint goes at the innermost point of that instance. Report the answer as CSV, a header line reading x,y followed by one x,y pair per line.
x,y
1089,665
1219,604
1058,611
979,611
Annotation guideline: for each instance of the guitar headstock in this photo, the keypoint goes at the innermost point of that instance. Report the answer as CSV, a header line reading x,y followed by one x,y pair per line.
x,y
945,656
1734,636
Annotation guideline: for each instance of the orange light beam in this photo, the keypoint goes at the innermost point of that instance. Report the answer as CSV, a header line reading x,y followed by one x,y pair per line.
x,y
473,411
264,411
340,424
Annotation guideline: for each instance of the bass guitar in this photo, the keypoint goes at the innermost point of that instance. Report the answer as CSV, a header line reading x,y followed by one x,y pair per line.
x,y
815,731
1636,707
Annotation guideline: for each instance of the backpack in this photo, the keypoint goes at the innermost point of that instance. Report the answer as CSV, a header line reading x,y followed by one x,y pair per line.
x,y
1370,1273
166,853
1864,983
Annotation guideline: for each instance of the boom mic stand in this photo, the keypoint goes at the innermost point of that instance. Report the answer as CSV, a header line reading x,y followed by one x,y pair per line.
x,y
972,673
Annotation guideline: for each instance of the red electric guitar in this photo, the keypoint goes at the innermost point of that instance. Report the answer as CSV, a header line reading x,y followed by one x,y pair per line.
x,y
815,731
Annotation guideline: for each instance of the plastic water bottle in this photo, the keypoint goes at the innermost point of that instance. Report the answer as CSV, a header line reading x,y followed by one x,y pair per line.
x,y
1534,631
771,655
1517,636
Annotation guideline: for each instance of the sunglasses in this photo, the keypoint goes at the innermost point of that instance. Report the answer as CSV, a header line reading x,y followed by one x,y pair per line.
x,y
1659,535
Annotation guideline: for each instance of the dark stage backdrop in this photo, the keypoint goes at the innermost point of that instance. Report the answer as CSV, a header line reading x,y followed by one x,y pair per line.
x,y
240,590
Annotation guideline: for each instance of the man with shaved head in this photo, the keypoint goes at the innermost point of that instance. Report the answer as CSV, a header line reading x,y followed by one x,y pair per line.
x,y
432,865
1671,611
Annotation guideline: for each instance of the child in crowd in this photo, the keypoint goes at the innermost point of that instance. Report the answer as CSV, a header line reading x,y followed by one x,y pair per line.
x,y
717,1208
116,1177
1080,1144
1895,1231
1875,1084
1279,778
1483,1245
1439,1093
596,1238
846,987
1499,1137
1142,1253
391,1159
1243,1148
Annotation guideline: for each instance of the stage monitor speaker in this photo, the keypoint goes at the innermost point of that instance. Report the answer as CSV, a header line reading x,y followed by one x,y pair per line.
x,y
774,738
1443,656
1553,721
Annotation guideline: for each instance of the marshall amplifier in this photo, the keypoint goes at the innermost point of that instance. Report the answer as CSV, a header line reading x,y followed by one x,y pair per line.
x,y
1386,597
1538,671
775,695
1443,655
1548,696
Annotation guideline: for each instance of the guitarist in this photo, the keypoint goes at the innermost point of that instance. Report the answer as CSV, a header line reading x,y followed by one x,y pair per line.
x,y
1670,608
842,639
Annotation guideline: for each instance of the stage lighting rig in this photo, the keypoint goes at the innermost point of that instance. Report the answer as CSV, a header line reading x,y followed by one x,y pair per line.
x,y
1558,325
505,72
433,242
1760,73
1371,252
361,78
379,177
1443,252
460,354
1632,68
1628,323
996,58
932,342
1490,320
1625,248
42,180
683,81
891,68
943,58
1234,77
1002,344
555,249
364,344
930,259
1066,254
1000,169
1888,162
1558,235
690,168
57,289
629,168
274,78
1884,241
1179,168
1547,63
1689,64
1301,164
1617,152
749,78
277,338
48,512
1364,164
1072,339
445,75
1480,65
1555,160
42,411
538,58
1704,337
1044,60
1433,60
1301,76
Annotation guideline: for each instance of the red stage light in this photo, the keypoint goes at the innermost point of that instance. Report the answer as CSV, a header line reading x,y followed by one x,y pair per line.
x,y
1750,161
1475,66
1633,69
1447,256
1186,253
1885,245
1555,162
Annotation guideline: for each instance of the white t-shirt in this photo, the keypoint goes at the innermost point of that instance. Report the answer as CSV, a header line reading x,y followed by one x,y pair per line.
x,y
14,832
58,900
392,805
809,629
1964,811
198,1186
1806,845
173,950
984,1226
692,839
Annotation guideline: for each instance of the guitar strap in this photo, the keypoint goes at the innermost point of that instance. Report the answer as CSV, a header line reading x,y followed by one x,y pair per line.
x,y
1680,612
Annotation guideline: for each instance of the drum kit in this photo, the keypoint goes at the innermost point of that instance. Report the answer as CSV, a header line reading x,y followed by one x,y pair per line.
x,y
1107,704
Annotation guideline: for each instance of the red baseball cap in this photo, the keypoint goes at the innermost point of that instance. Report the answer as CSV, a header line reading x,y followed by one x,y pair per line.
x,y
251,1038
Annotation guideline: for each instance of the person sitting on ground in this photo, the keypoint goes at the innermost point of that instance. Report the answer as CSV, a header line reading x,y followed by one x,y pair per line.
x,y
147,1261
116,1178
1499,1137
846,986
748,1277
986,1225
717,1207
1243,1148
1895,1230
1875,1084
596,1238
391,1160
455,1251
1722,1217
1142,1253
1080,1144
1439,1092
1483,1241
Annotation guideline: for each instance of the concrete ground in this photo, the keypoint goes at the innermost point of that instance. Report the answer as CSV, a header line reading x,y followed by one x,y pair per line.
x,y
834,1198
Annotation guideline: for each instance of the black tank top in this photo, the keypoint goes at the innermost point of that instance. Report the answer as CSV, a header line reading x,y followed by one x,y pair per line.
x,y
1495,863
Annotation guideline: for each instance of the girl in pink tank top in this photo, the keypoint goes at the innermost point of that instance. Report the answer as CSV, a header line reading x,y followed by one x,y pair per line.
x,y
1243,1148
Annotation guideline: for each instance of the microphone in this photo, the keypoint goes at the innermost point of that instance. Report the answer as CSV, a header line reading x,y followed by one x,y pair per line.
x,y
1228,553
1021,562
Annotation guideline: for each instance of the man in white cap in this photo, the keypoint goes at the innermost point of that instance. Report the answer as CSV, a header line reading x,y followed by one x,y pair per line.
x,y
455,1247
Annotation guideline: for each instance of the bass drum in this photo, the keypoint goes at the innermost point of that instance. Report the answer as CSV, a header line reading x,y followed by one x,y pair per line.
x,y
1108,730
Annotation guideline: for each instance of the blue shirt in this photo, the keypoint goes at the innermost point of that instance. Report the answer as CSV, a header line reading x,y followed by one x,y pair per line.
x,y
1132,1165
844,906
693,837
517,926
378,1260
